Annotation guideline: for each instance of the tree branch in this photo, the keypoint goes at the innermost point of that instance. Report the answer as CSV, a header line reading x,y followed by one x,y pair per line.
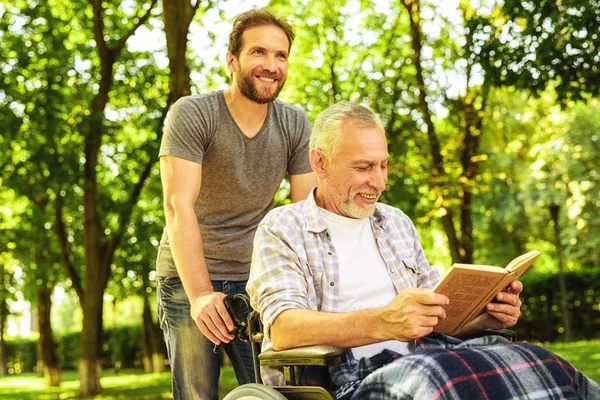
x,y
412,8
141,21
64,247
99,28
197,5
136,191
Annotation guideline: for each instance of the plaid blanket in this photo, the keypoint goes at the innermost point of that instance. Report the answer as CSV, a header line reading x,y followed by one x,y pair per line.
x,y
444,367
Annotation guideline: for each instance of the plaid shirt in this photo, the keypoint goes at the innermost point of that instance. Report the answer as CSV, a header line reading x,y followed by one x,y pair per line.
x,y
294,264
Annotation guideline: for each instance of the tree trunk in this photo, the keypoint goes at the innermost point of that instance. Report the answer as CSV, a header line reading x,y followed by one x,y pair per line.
x,y
437,171
460,245
472,121
99,249
3,355
95,277
554,212
46,343
177,16
90,369
152,342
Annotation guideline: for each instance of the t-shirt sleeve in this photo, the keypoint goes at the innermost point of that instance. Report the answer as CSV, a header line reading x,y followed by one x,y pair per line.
x,y
187,130
299,162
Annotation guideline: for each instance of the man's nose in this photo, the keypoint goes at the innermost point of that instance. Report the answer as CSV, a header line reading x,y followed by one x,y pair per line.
x,y
269,64
379,179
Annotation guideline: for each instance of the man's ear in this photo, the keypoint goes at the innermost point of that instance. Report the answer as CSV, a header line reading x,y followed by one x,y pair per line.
x,y
230,62
318,162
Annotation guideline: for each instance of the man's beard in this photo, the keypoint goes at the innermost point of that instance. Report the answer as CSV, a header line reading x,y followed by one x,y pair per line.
x,y
350,207
248,88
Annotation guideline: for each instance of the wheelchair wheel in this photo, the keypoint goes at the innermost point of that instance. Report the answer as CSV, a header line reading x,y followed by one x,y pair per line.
x,y
254,391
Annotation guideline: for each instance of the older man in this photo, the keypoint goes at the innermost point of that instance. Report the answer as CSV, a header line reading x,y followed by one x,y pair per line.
x,y
341,269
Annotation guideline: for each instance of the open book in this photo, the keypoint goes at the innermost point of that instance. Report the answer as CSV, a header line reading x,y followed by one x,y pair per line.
x,y
471,287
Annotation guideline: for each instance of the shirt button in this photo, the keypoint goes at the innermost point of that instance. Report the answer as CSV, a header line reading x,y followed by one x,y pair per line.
x,y
392,270
331,283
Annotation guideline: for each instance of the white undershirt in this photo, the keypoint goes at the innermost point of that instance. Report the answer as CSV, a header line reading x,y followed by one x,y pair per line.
x,y
364,280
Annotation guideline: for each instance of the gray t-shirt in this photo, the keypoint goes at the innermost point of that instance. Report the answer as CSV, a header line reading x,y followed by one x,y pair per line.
x,y
240,175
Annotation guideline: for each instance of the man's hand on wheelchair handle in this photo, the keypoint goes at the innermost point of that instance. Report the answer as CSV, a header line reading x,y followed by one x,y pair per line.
x,y
211,316
413,313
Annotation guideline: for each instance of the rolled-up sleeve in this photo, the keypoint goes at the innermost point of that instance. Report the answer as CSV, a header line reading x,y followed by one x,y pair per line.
x,y
277,279
428,276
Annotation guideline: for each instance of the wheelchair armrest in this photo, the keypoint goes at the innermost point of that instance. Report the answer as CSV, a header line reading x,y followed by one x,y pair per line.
x,y
307,355
506,333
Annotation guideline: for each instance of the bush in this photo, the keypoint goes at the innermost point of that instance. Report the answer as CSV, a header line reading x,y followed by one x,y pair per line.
x,y
121,347
21,355
542,318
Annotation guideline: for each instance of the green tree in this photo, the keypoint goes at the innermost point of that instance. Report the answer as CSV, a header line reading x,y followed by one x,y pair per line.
x,y
87,157
11,206
534,43
382,57
541,181
36,129
110,36
563,181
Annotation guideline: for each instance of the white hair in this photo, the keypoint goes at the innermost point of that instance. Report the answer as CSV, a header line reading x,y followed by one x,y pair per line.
x,y
326,130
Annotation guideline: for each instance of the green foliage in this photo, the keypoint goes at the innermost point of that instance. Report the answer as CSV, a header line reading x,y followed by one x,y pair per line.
x,y
50,76
40,93
9,286
541,318
228,381
21,355
529,44
361,52
532,153
538,154
121,349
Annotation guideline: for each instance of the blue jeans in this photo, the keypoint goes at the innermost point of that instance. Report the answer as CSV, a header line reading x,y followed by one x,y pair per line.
x,y
194,366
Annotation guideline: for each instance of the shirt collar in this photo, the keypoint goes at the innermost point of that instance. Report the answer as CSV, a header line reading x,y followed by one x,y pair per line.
x,y
315,224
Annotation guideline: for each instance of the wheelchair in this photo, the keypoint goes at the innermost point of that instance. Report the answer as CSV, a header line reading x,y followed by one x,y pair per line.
x,y
250,329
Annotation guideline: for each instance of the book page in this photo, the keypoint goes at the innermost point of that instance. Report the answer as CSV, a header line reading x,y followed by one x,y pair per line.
x,y
466,289
521,263
471,287
463,289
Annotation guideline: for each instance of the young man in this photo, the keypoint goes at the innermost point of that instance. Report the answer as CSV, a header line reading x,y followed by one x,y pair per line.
x,y
341,269
222,158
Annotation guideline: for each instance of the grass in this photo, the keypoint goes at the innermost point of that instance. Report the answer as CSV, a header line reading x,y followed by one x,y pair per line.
x,y
134,384
128,384
584,355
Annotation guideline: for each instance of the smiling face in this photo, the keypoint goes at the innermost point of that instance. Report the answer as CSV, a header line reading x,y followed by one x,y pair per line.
x,y
351,183
260,71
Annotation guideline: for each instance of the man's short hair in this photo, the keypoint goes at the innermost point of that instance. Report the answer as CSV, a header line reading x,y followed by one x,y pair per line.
x,y
252,19
326,130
